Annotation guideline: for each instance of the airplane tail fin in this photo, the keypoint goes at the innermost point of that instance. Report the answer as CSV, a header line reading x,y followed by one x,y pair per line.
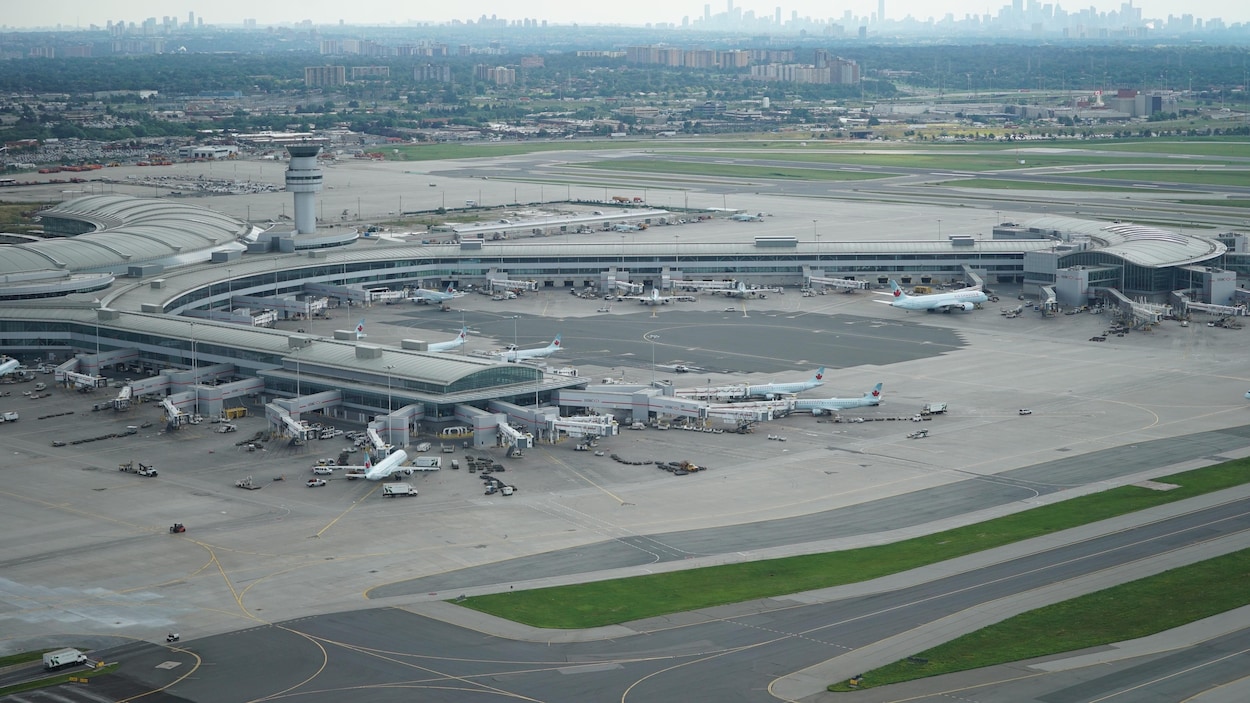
x,y
820,375
875,393
360,329
464,333
896,291
451,289
555,343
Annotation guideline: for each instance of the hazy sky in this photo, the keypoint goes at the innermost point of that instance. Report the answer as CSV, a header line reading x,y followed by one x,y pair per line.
x,y
18,13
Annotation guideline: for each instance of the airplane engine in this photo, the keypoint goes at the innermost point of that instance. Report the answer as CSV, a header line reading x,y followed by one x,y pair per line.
x,y
819,411
967,306
407,472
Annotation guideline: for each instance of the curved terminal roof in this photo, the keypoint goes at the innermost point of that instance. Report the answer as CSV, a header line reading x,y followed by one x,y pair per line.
x,y
1142,245
128,231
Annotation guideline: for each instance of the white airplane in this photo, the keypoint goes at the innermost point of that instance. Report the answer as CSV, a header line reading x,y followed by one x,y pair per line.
x,y
741,291
360,329
772,390
823,406
962,299
384,469
515,355
453,344
8,366
656,299
744,217
425,295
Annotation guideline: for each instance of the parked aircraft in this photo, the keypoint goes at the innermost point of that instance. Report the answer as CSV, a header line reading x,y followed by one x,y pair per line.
x,y
453,344
823,406
425,295
772,390
744,217
8,366
742,291
963,299
360,329
656,299
515,355
391,465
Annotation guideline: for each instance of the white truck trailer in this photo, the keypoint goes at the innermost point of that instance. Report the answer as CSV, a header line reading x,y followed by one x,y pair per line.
x,y
390,490
62,658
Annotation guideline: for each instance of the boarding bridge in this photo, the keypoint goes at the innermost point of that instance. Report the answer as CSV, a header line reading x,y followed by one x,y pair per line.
x,y
678,284
287,305
585,426
1236,310
625,287
839,283
495,284
973,278
717,393
122,402
329,290
82,380
384,295
376,440
756,411
174,417
485,424
515,439
92,363
1049,305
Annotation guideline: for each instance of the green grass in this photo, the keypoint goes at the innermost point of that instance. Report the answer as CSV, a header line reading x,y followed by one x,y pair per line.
x,y
1004,184
621,600
1124,612
730,170
1213,177
57,679
24,657
1215,202
1208,146
965,159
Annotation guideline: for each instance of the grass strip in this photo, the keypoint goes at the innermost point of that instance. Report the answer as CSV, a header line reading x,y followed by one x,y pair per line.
x,y
57,679
1128,611
1004,184
621,600
732,170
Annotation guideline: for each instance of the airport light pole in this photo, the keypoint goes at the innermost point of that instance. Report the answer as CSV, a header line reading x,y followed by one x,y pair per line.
x,y
651,337
229,288
389,368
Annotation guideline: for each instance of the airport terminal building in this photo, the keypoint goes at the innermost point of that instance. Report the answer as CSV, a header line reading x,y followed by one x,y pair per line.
x,y
162,286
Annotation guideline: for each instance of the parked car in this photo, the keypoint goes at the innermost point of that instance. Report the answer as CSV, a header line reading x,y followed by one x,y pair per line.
x,y
323,470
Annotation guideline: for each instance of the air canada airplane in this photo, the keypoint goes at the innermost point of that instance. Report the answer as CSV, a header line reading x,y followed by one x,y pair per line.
x,y
962,299
515,355
656,299
360,329
771,390
391,465
425,295
824,406
453,344
8,366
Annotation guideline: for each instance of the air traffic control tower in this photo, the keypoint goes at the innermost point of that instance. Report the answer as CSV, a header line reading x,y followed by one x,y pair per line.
x,y
303,178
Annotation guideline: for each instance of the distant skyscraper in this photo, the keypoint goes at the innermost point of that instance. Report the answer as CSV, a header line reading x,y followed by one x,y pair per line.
x,y
880,10
707,12
777,16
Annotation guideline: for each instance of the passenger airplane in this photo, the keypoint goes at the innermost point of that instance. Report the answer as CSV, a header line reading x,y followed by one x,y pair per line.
x,y
515,355
425,295
963,299
656,299
453,344
823,406
9,366
741,291
384,469
771,390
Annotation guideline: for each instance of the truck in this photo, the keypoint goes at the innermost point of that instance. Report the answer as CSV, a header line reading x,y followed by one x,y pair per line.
x,y
390,490
143,470
427,463
62,658
9,416
933,409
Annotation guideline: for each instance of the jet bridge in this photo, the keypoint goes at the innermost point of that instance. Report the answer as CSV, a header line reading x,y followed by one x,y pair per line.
x,y
713,393
758,411
505,284
847,284
584,426
122,402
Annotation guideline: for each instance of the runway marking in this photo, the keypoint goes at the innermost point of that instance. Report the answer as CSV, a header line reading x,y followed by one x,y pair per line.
x,y
175,682
1169,676
350,508
325,661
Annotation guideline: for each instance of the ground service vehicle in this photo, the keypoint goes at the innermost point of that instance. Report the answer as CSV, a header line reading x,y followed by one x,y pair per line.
x,y
177,528
9,416
315,482
390,490
62,658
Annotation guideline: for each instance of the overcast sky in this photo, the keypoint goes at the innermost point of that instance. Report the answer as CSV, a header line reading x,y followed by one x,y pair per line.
x,y
23,13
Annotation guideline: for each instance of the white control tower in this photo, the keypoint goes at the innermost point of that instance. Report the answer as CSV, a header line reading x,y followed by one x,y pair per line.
x,y
303,178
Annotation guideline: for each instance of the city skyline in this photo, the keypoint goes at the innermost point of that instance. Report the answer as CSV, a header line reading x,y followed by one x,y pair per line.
x,y
70,14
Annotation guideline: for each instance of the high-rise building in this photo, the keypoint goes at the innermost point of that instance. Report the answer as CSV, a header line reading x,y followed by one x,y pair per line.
x,y
324,76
